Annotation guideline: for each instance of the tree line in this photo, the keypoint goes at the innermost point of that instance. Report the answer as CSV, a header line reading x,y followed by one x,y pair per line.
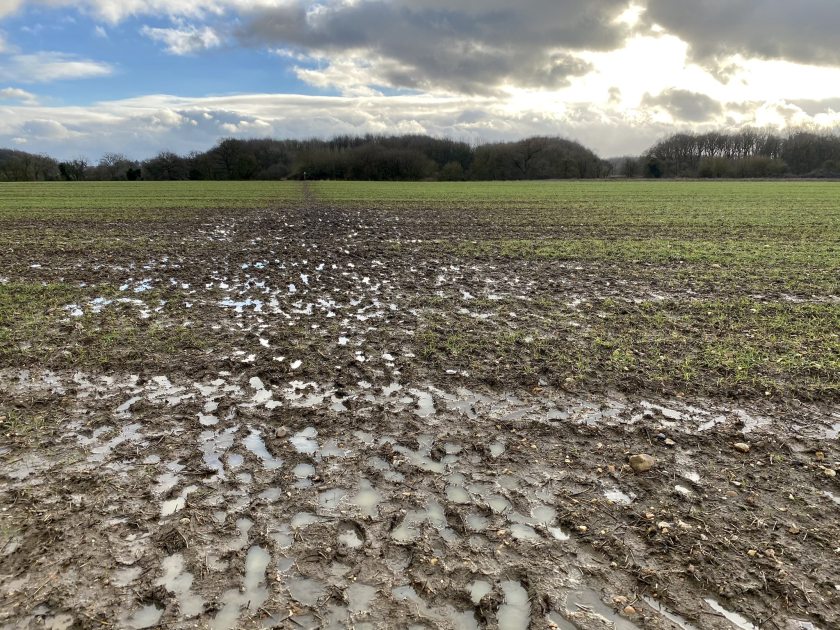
x,y
411,157
744,154
749,153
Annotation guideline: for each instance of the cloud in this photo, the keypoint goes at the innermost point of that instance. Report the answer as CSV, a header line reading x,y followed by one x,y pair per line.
x,y
804,31
16,94
143,126
44,67
184,40
114,11
440,46
684,105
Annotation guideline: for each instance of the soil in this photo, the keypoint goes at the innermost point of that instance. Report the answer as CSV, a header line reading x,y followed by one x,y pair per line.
x,y
301,463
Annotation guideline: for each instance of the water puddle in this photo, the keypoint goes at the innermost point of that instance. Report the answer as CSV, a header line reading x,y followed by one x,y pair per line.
x,y
420,458
617,496
425,403
255,444
124,577
329,500
589,600
367,499
146,617
409,529
305,591
360,596
253,593
304,441
177,581
177,504
479,589
742,623
669,614
515,612
350,536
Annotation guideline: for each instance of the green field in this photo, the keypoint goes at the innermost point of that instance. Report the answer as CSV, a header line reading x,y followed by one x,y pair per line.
x,y
727,287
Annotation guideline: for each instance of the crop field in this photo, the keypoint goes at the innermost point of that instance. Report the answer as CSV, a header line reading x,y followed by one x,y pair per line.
x,y
378,405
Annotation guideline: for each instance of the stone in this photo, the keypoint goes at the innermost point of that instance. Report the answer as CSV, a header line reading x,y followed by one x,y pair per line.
x,y
641,463
629,611
741,447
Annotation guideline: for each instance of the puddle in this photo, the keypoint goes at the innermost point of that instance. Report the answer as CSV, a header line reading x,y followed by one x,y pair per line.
x,y
304,441
420,458
330,499
255,444
425,403
177,504
124,577
253,593
177,581
146,617
367,499
742,623
524,532
477,523
409,529
305,591
359,597
515,612
349,537
617,496
668,614
304,471
479,589
587,599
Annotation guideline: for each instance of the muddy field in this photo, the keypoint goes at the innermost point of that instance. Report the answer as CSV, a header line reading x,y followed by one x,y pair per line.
x,y
324,414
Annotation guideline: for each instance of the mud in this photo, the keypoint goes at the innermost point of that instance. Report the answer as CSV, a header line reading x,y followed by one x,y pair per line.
x,y
308,468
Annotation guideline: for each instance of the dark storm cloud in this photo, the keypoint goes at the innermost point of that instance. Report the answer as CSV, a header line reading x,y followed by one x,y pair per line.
x,y
469,47
684,105
797,30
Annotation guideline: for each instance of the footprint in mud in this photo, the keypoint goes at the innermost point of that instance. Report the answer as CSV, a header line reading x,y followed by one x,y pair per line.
x,y
252,595
176,580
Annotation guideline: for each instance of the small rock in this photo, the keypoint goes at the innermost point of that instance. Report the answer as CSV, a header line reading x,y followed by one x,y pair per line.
x,y
281,432
629,611
752,553
620,600
670,443
819,455
794,529
641,463
741,447
583,529
829,472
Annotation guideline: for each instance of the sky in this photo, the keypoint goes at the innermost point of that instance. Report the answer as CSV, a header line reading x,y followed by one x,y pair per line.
x,y
84,77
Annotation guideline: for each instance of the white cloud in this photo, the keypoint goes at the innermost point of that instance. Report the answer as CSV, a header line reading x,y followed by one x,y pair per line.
x,y
143,126
184,40
44,67
16,94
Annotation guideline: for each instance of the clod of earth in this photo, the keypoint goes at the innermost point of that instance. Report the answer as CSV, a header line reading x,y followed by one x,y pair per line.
x,y
642,463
